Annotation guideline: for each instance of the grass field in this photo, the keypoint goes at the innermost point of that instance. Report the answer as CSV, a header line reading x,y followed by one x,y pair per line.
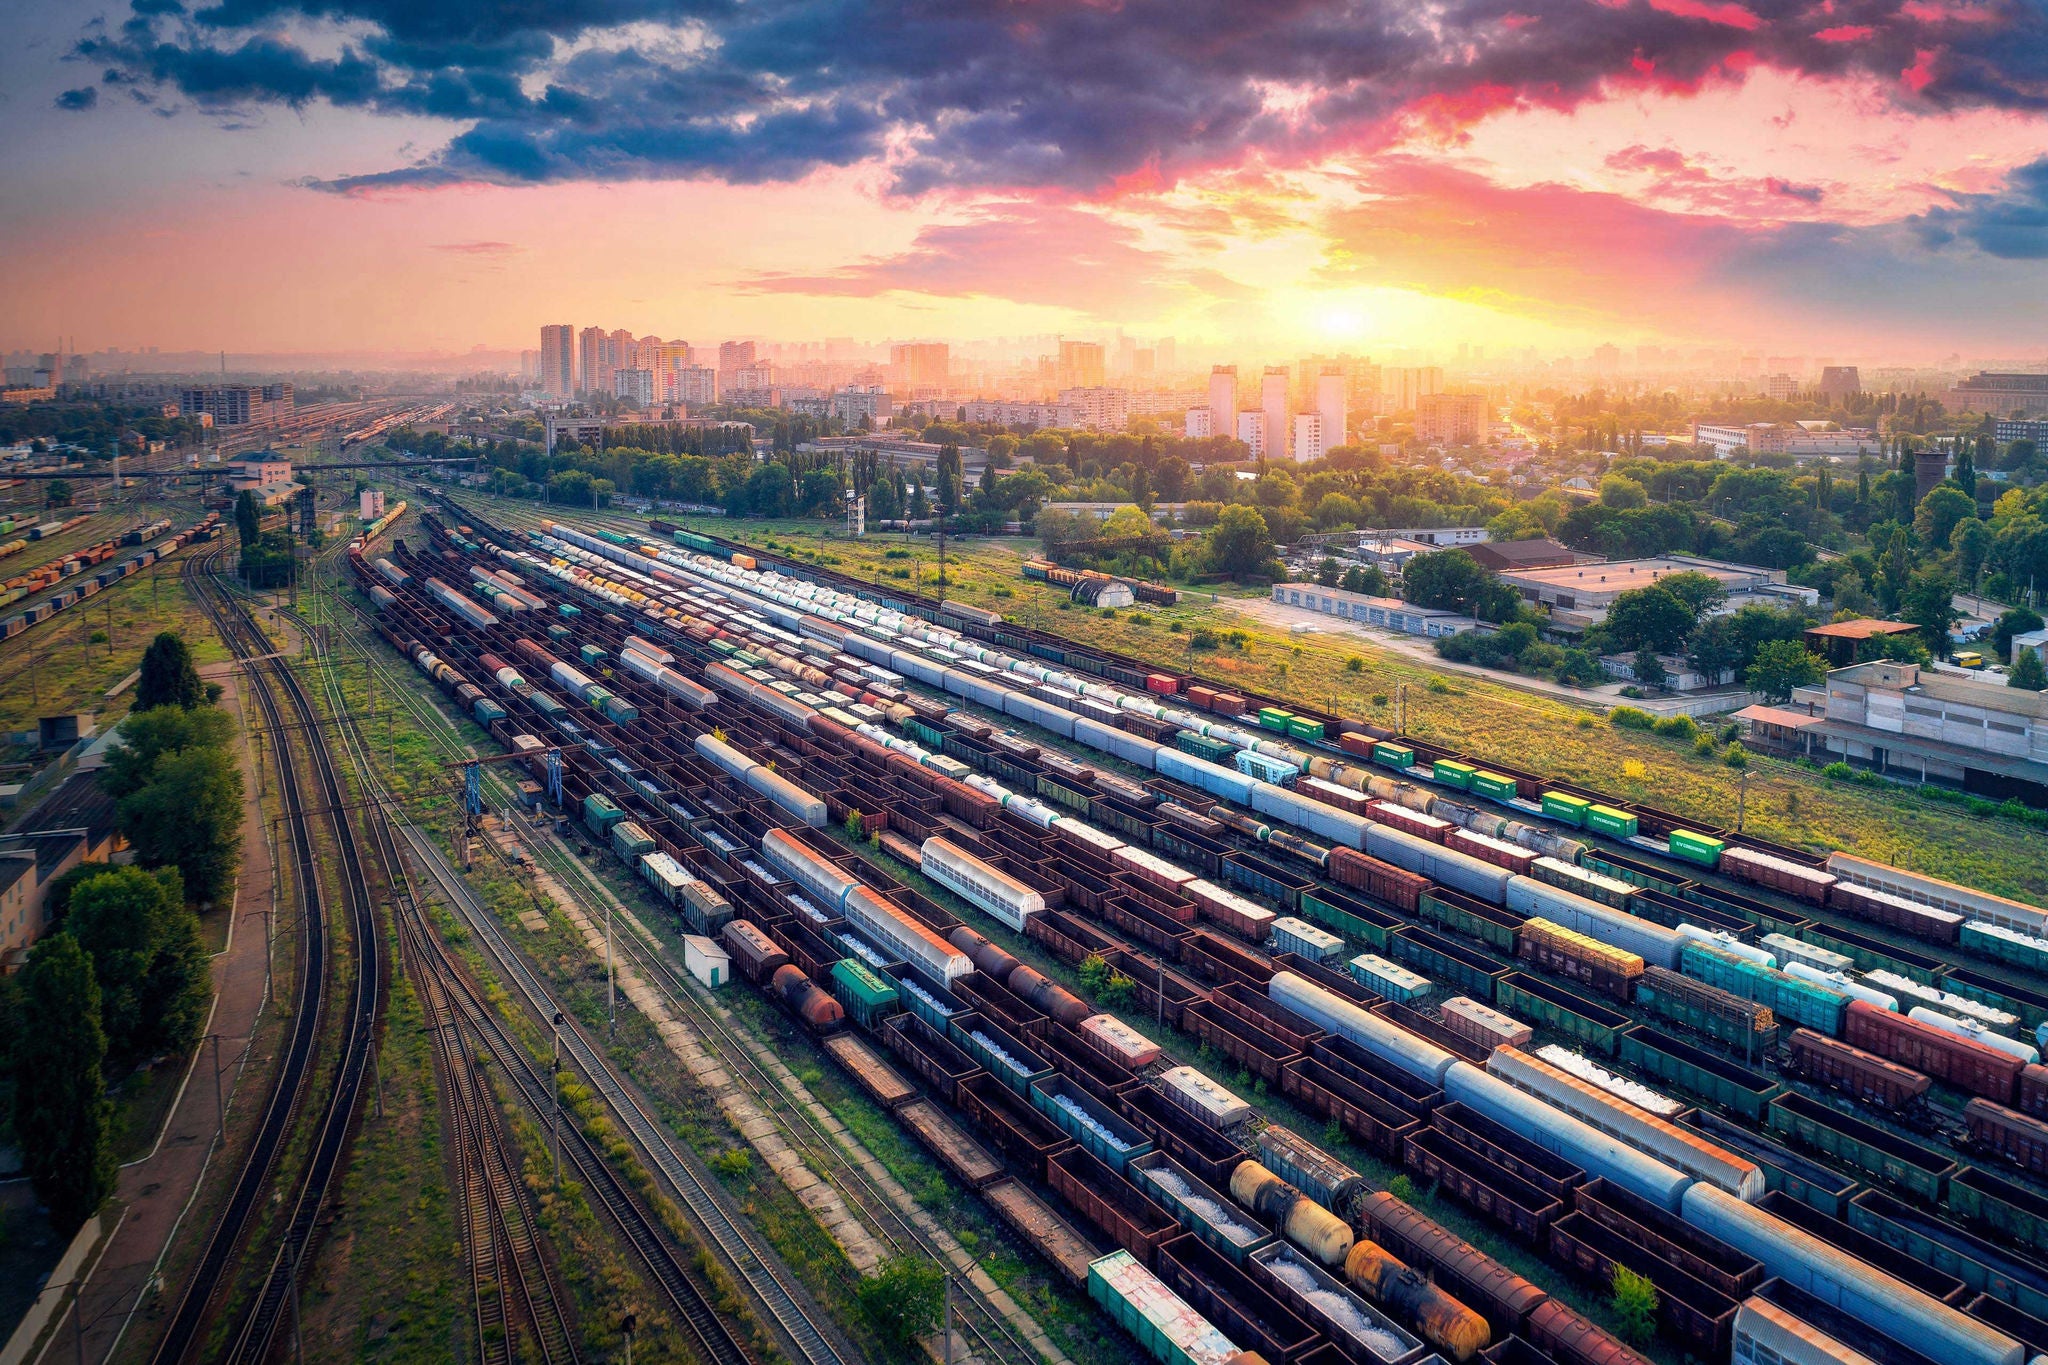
x,y
59,667
1785,801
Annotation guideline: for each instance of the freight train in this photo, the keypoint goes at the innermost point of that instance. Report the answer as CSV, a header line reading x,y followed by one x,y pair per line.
x,y
1336,1074
89,585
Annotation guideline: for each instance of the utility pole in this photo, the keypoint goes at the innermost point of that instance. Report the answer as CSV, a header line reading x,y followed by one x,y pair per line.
x,y
220,1111
555,1112
1741,799
611,979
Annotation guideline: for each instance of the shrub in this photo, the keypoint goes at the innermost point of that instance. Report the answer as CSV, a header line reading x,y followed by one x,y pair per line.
x,y
1402,1188
1703,745
1354,664
1634,769
1379,699
1840,772
1631,718
1635,1305
1204,638
1441,688
1584,722
1675,727
1730,732
1737,756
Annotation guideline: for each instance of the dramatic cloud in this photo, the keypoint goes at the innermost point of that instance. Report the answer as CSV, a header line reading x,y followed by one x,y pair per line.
x,y
83,98
1023,253
2011,224
1060,96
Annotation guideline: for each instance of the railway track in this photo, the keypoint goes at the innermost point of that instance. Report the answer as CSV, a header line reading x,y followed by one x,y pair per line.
x,y
517,1298
987,1332
810,1340
291,1096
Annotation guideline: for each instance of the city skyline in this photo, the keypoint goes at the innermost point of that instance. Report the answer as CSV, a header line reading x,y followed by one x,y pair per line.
x,y
1844,178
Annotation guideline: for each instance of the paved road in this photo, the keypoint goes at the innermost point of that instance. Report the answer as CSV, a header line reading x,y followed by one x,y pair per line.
x,y
158,1187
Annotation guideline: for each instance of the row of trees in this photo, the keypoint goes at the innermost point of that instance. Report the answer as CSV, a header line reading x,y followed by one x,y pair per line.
x,y
122,976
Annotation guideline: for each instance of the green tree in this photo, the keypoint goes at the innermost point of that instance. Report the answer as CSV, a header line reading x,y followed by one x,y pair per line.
x,y
1701,592
189,816
1782,665
1970,545
1452,580
146,957
248,519
58,494
1239,545
1929,603
1965,473
1617,490
2013,621
149,736
1940,512
62,1120
168,677
1648,618
1649,670
1328,572
1366,578
2027,672
903,1299
1635,1306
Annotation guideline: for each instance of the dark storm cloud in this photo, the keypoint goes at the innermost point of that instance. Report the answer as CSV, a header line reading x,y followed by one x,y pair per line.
x,y
1061,95
2013,223
83,98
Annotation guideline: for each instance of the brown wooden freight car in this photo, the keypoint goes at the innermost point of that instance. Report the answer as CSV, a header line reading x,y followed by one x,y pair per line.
x,y
1863,1076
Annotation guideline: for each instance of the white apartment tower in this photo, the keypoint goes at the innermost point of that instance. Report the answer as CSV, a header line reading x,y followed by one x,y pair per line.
x,y
1273,408
558,360
1251,429
1309,437
1223,400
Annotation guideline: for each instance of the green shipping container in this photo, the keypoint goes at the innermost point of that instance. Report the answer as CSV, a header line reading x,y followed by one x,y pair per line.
x,y
1566,807
747,659
590,654
619,711
600,814
1164,1325
1453,773
1201,746
558,632
1393,755
924,734
1611,822
866,996
1336,911
1696,848
569,609
1273,718
1305,729
630,841
1494,785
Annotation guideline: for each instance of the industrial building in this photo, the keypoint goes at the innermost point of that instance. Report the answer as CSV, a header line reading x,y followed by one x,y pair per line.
x,y
1386,613
237,405
1911,722
1579,595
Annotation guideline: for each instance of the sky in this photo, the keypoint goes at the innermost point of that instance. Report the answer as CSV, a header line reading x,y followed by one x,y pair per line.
x,y
1841,177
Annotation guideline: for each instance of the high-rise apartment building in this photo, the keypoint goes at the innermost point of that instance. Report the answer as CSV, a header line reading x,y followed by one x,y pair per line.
x,y
1309,437
238,405
1099,409
1332,405
1405,386
921,365
1197,425
1839,383
529,366
1273,408
1251,429
690,385
623,346
1451,419
593,361
1081,365
634,385
733,354
1223,400
558,360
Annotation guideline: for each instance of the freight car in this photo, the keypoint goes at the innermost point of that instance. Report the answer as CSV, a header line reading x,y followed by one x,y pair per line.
x,y
1863,1076
1944,1056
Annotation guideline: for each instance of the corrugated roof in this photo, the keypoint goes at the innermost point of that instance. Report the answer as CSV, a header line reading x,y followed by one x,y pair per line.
x,y
1863,628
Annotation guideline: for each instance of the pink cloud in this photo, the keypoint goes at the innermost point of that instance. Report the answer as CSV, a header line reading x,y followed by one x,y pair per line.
x,y
1920,74
1047,255
1845,33
1729,14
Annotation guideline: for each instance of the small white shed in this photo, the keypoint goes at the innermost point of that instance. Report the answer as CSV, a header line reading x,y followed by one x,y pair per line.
x,y
707,960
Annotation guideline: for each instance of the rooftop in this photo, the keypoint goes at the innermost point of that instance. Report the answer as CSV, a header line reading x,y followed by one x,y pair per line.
x,y
1862,628
1519,554
1623,575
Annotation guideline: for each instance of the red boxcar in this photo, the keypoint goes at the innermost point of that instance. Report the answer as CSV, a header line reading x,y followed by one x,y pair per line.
x,y
1944,1056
